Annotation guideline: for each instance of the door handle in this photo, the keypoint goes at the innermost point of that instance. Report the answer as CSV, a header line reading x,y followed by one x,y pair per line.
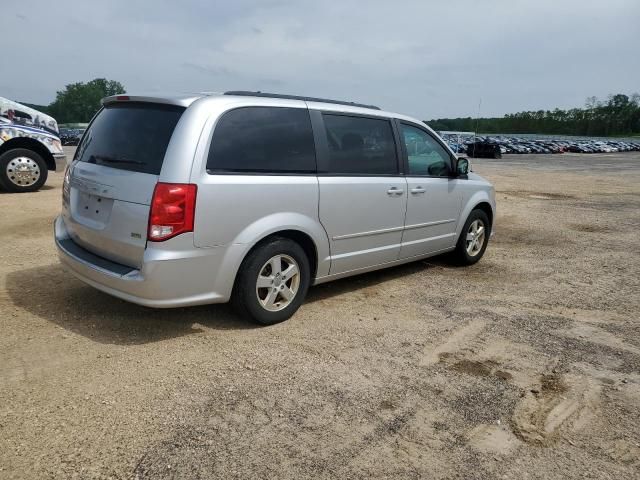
x,y
417,190
395,191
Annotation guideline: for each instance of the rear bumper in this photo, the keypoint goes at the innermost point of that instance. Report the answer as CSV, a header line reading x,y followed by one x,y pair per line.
x,y
167,278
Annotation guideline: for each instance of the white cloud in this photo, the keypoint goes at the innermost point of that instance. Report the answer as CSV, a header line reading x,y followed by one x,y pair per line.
x,y
428,59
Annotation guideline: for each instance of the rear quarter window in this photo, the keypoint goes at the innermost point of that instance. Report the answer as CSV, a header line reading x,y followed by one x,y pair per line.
x,y
130,136
263,140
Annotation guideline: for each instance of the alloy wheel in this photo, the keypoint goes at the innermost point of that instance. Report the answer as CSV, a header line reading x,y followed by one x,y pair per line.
x,y
278,283
475,237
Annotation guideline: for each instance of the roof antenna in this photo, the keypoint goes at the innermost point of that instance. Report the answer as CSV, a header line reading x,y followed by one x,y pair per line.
x,y
475,134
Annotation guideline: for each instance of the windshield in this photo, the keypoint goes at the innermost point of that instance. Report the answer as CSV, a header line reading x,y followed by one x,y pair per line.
x,y
130,136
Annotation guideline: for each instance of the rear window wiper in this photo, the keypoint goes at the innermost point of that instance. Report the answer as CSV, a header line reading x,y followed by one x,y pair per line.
x,y
103,158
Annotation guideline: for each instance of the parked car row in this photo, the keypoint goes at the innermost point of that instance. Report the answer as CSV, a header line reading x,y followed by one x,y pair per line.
x,y
70,136
527,145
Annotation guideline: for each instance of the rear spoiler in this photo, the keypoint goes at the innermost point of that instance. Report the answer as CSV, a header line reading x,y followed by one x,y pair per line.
x,y
180,100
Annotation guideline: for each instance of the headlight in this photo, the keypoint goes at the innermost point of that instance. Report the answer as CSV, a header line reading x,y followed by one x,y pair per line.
x,y
57,145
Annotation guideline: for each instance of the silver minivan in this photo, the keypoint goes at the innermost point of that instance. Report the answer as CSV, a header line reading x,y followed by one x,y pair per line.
x,y
252,197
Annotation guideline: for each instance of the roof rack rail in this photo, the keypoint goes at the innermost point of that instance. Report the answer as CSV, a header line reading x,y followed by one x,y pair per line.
x,y
245,93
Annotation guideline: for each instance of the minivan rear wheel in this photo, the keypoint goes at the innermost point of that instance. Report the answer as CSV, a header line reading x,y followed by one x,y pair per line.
x,y
272,282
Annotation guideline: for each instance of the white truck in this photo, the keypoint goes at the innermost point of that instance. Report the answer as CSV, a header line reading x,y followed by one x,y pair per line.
x,y
29,147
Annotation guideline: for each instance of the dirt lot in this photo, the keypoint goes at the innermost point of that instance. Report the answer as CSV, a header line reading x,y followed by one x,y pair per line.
x,y
526,365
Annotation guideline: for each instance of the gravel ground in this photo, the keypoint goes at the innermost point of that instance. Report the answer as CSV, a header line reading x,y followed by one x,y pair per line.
x,y
525,365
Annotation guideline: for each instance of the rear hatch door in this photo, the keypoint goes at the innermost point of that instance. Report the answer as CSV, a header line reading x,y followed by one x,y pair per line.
x,y
112,178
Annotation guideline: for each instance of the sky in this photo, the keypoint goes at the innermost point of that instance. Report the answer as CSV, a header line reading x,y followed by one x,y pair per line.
x,y
425,58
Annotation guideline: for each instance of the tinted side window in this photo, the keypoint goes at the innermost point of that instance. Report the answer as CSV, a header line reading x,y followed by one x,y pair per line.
x,y
360,145
263,139
426,156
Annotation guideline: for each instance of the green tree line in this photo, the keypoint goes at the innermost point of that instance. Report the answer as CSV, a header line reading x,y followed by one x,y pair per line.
x,y
80,101
618,115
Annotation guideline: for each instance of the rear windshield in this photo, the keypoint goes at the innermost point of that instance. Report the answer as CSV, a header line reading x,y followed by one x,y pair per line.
x,y
130,136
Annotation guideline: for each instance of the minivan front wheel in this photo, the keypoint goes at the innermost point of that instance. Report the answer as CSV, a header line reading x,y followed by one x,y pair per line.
x,y
272,282
473,238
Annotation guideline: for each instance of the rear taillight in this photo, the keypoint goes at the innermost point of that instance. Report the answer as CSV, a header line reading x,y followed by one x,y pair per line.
x,y
173,208
66,184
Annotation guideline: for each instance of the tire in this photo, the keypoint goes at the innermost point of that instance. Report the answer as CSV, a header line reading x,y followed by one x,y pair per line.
x,y
267,305
464,254
22,170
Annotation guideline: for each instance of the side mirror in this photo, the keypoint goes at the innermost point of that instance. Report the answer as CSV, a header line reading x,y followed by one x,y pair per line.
x,y
462,166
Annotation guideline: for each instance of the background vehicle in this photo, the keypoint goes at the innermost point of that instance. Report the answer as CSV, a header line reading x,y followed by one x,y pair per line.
x,y
29,147
70,136
484,149
253,197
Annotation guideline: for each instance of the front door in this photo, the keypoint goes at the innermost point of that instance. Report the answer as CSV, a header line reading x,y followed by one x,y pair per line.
x,y
434,199
362,195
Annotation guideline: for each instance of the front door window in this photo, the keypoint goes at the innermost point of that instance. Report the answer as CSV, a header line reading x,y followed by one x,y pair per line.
x,y
426,156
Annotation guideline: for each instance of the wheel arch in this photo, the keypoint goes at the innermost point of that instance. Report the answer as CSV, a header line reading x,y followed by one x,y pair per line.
x,y
303,229
301,238
486,208
481,200
30,144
